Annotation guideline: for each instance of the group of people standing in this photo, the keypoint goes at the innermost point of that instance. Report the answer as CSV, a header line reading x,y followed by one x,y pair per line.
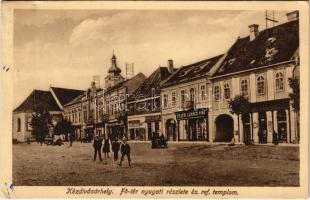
x,y
117,145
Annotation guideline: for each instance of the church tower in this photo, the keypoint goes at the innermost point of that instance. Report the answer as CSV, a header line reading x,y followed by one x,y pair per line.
x,y
114,74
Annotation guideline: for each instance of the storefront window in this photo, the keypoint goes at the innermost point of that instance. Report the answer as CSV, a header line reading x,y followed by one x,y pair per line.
x,y
279,82
282,126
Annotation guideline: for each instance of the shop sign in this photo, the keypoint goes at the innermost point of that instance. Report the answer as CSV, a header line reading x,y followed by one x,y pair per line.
x,y
115,124
90,126
134,123
192,114
152,118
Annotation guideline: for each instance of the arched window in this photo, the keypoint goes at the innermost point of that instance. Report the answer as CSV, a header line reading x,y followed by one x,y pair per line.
x,y
260,86
279,82
216,93
244,87
226,91
18,125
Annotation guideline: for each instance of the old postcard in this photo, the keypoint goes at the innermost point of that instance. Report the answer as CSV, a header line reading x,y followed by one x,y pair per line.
x,y
154,99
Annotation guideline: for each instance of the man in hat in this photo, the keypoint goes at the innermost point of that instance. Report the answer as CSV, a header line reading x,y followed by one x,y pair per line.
x,y
115,148
97,148
125,151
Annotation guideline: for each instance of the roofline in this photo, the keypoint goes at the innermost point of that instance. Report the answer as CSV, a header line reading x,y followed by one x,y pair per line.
x,y
56,99
206,76
286,22
67,88
122,84
115,89
32,111
145,99
193,79
71,104
219,63
249,70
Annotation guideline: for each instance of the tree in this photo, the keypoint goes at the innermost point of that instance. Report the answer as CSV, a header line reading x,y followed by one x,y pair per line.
x,y
240,105
41,122
63,127
295,95
295,99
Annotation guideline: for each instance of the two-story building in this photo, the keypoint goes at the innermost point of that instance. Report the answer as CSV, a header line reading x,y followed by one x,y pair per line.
x,y
144,106
116,93
258,67
86,113
186,102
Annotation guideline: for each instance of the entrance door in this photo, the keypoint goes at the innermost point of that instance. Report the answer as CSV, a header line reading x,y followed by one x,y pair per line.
x,y
171,130
282,126
132,134
246,128
149,131
193,129
224,128
262,130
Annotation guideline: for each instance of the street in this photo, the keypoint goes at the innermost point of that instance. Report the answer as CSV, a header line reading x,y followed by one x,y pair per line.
x,y
182,164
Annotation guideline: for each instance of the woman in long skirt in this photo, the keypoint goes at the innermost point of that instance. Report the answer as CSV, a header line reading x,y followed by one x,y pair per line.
x,y
106,148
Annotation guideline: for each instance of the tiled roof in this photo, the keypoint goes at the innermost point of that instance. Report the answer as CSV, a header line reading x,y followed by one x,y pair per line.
x,y
192,71
78,99
65,95
37,99
131,84
153,81
271,46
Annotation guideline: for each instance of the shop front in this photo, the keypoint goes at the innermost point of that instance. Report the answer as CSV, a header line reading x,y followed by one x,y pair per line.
x,y
269,121
99,129
88,132
192,125
136,130
77,132
116,129
153,125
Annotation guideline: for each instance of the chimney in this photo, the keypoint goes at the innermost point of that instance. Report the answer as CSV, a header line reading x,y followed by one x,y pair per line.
x,y
253,31
291,16
93,86
170,66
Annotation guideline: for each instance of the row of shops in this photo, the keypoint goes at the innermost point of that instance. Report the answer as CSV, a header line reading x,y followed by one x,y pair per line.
x,y
258,126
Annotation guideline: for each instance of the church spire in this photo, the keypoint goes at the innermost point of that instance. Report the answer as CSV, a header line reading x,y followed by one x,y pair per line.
x,y
114,68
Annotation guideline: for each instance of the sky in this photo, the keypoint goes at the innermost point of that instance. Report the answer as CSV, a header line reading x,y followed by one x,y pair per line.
x,y
66,48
